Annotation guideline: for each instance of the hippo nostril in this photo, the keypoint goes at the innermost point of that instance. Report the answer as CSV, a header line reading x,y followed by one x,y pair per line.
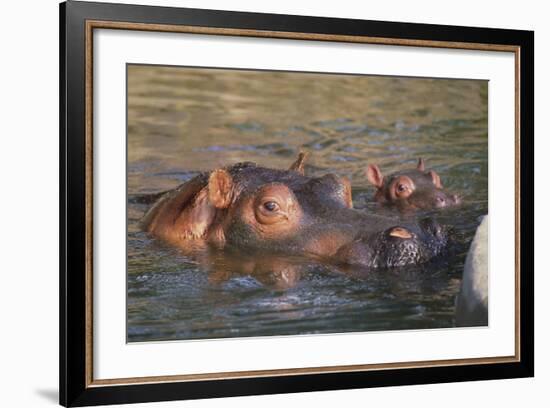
x,y
431,226
400,232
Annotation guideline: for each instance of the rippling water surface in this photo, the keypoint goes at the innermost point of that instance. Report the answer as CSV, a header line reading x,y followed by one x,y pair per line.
x,y
182,121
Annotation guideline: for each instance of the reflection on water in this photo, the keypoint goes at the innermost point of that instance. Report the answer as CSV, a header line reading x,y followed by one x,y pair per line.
x,y
182,121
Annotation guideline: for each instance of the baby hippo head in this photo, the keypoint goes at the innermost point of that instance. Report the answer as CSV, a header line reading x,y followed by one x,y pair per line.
x,y
411,189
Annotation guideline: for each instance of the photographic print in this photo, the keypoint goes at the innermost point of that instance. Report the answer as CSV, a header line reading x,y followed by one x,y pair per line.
x,y
325,189
271,203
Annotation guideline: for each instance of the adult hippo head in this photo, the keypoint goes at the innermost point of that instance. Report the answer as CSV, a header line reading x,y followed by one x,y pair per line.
x,y
248,207
411,189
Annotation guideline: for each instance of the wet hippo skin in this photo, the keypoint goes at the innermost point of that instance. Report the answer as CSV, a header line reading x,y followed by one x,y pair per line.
x,y
253,208
411,189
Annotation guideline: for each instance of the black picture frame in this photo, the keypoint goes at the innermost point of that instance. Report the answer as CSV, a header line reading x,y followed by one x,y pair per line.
x,y
76,387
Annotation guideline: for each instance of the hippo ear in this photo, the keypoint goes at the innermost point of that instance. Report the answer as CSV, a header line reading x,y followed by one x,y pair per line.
x,y
420,166
220,188
374,175
298,165
435,179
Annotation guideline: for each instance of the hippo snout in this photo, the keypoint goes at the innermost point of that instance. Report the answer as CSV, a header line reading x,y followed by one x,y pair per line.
x,y
442,200
396,246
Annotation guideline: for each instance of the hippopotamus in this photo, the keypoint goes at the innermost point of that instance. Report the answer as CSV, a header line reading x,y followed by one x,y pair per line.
x,y
251,208
411,189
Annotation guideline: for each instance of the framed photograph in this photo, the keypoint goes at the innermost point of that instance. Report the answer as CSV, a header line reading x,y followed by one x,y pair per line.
x,y
257,203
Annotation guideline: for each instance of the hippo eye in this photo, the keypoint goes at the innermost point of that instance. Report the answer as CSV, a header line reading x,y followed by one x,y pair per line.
x,y
401,187
271,206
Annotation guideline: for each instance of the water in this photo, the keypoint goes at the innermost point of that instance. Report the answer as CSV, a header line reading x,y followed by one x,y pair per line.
x,y
182,121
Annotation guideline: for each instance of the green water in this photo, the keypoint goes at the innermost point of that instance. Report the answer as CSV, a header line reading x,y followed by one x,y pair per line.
x,y
182,121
